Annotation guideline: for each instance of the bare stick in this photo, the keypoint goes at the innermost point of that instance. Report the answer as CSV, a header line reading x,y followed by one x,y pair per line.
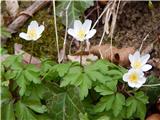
x,y
25,15
143,41
55,26
101,15
65,38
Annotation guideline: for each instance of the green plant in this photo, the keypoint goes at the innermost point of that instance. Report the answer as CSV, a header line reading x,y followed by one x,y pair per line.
x,y
68,91
74,9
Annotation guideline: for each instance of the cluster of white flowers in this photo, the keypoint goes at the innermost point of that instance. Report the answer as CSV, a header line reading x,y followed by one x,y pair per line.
x,y
135,76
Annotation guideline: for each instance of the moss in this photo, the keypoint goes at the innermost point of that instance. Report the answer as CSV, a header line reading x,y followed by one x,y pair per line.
x,y
46,45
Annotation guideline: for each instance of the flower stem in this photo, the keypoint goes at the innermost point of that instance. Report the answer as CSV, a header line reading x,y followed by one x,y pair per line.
x,y
31,52
81,49
151,85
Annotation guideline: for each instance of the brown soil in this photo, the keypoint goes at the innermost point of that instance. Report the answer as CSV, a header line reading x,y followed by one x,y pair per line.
x,y
135,22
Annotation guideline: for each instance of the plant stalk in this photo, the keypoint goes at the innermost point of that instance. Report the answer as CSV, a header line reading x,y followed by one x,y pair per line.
x,y
31,52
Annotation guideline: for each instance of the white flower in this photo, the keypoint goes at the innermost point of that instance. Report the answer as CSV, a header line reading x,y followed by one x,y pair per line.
x,y
33,33
135,78
81,31
139,62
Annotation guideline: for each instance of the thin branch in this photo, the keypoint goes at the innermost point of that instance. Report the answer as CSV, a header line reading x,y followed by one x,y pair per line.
x,y
65,38
151,85
101,15
55,26
143,41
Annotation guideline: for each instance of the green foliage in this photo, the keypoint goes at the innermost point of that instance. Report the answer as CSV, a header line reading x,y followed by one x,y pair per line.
x,y
22,95
136,105
152,92
75,10
63,104
67,91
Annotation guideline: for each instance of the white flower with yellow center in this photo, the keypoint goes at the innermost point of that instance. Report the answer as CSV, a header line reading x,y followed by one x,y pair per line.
x,y
81,31
135,78
139,62
33,33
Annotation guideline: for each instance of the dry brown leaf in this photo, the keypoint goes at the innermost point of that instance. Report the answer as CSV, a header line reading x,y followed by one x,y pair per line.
x,y
12,7
102,2
148,49
118,56
155,116
155,62
86,59
26,56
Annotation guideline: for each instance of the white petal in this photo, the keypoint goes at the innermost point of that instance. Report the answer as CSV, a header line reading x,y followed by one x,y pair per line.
x,y
24,36
33,24
131,59
131,84
77,25
138,85
146,67
142,80
145,58
87,25
40,29
90,34
125,77
72,32
37,37
136,55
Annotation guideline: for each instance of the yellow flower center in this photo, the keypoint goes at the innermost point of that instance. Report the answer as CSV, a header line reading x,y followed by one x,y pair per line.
x,y
31,33
81,34
137,64
133,77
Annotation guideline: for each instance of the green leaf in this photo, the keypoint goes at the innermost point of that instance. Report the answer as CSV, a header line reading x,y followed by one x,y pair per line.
x,y
8,111
37,90
5,95
83,116
33,103
62,69
132,106
13,61
72,76
22,83
86,84
118,104
75,10
23,112
64,105
136,105
107,89
105,103
29,74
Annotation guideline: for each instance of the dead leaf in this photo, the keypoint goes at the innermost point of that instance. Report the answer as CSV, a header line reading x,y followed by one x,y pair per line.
x,y
117,56
149,48
86,59
155,62
26,56
12,7
102,2
155,116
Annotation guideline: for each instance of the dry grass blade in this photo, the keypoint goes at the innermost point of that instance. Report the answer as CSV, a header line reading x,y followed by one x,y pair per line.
x,y
56,32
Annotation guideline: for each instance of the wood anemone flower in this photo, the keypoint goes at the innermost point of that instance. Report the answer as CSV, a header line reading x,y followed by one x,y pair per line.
x,y
33,33
139,62
81,31
135,78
